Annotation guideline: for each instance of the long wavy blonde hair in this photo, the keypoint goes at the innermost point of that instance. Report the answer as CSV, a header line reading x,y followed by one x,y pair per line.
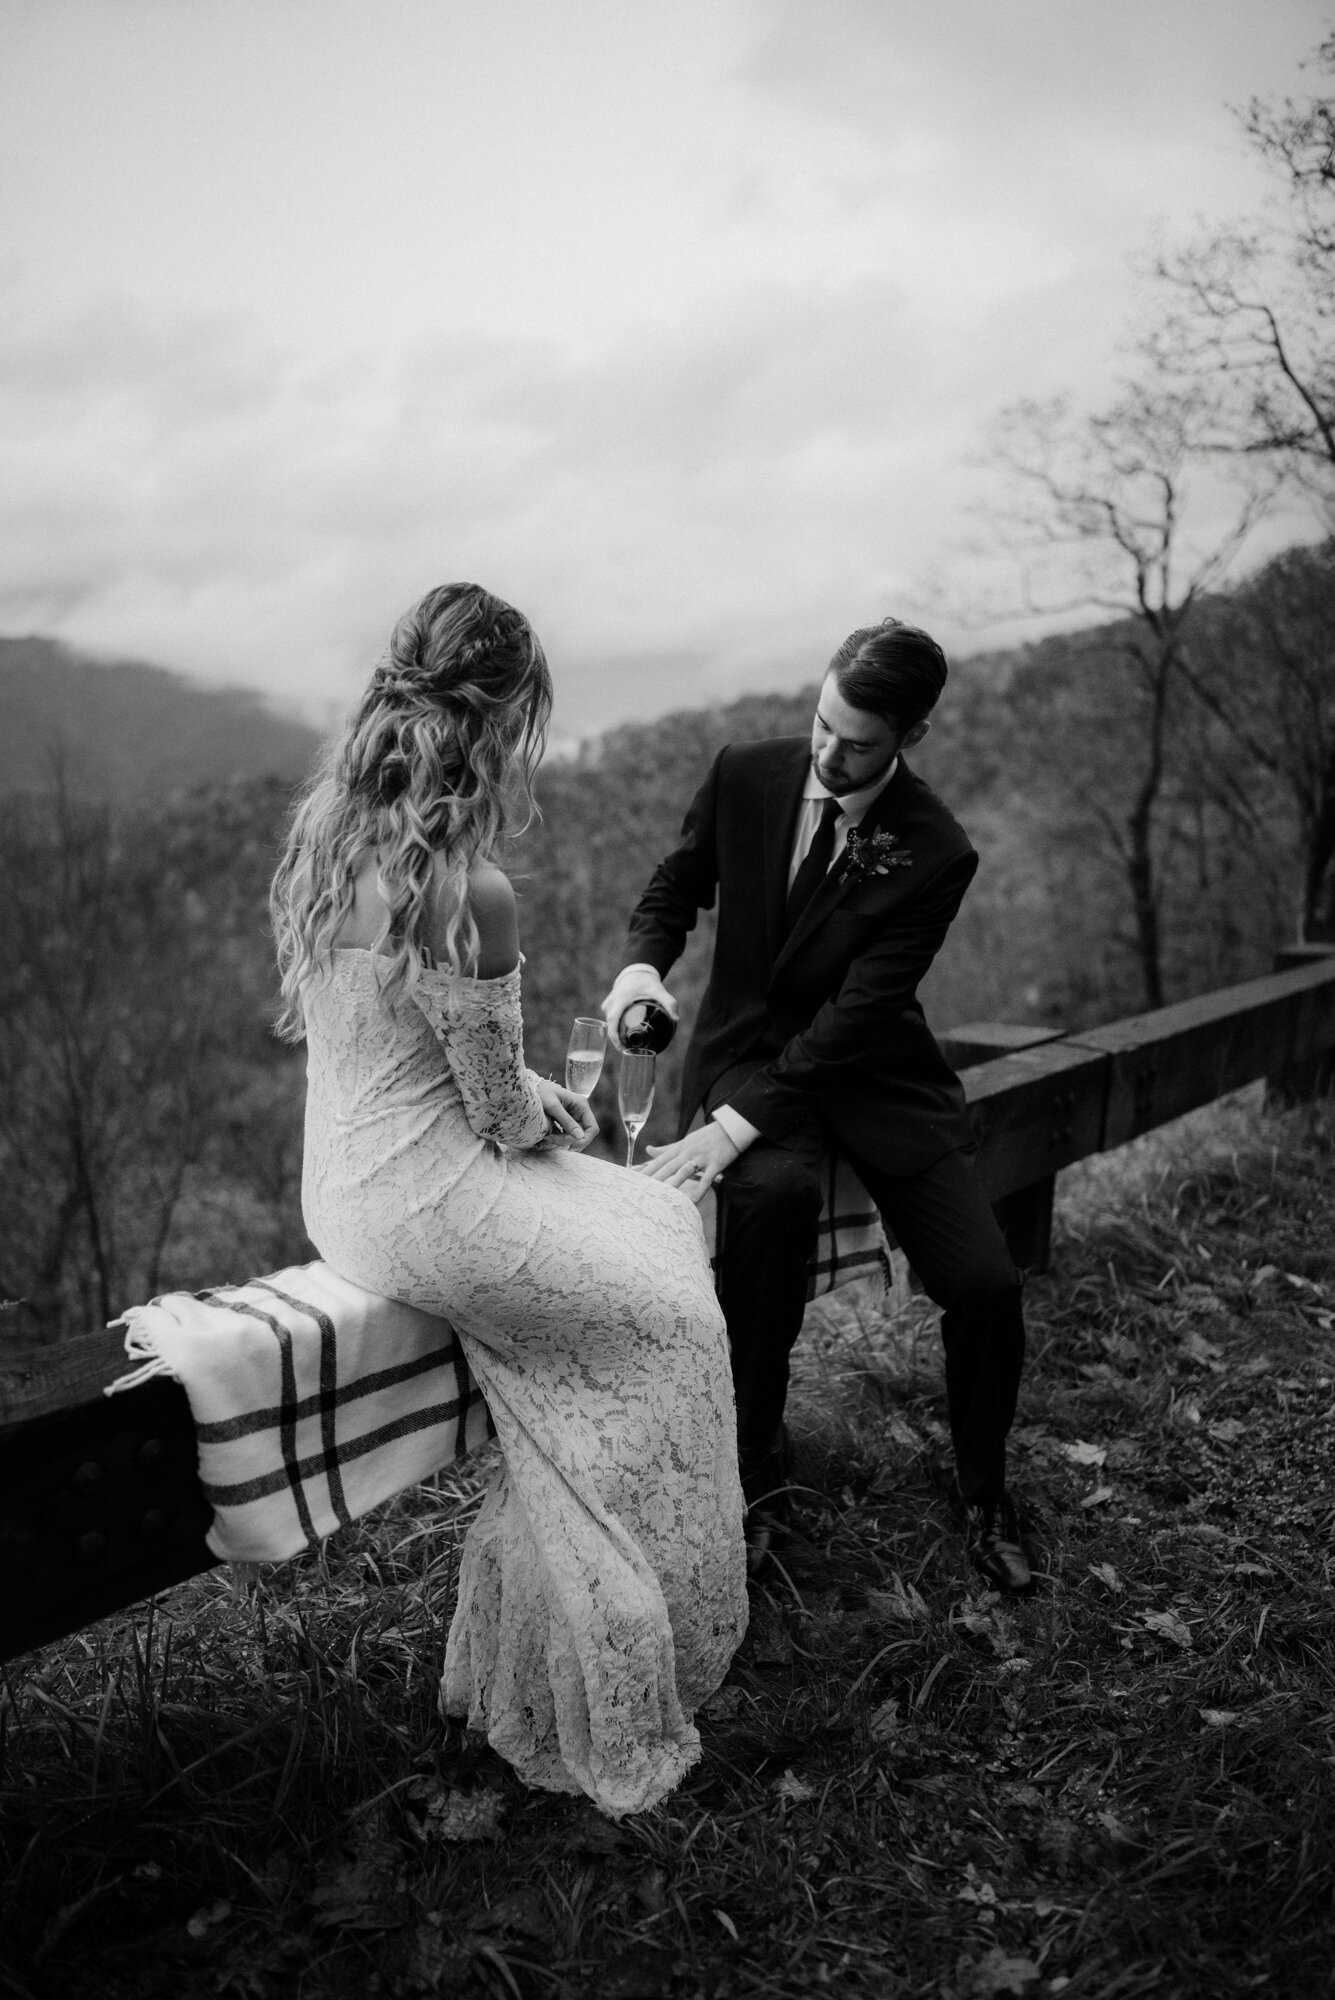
x,y
436,760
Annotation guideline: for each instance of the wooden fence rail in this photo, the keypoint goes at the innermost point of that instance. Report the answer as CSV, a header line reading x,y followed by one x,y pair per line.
x,y
100,1503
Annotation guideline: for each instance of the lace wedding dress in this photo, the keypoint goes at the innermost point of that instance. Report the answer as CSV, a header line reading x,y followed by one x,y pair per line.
x,y
602,1586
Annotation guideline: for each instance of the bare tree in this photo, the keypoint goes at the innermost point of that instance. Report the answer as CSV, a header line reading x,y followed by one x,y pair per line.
x,y
1266,673
134,988
1100,515
1250,307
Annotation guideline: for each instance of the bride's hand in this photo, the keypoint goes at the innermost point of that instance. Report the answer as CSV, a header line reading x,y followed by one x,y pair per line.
x,y
570,1123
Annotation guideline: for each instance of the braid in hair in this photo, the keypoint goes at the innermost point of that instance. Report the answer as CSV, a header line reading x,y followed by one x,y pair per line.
x,y
434,762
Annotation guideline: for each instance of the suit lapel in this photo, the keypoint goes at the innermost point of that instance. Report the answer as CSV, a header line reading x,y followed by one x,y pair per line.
x,y
833,889
783,798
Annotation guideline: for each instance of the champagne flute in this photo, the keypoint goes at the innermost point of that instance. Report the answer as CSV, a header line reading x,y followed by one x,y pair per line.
x,y
635,1095
584,1056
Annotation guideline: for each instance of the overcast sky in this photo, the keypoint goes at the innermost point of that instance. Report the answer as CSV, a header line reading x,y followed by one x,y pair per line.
x,y
674,321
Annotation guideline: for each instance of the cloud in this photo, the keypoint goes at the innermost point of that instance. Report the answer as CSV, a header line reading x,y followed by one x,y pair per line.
x,y
924,213
704,508
713,495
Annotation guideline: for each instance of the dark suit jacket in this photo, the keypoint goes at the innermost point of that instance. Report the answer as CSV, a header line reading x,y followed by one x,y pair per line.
x,y
831,1011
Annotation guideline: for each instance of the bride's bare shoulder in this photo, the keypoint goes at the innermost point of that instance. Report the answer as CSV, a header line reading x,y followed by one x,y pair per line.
x,y
364,924
491,899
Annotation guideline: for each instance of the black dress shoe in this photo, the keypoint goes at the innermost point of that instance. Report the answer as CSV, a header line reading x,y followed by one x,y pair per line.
x,y
992,1537
766,1533
768,1515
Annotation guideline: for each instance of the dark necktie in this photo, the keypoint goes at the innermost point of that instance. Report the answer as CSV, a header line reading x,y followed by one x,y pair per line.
x,y
815,865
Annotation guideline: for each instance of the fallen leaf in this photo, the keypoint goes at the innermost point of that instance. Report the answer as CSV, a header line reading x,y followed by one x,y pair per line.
x,y
1001,1972
767,1639
1098,1498
1034,1437
792,1788
1201,1299
1169,1626
587,1832
651,1889
976,1889
885,1725
1080,1453
1227,1430
902,1605
208,1916
898,1430
728,1925
1218,1718
453,1815
355,1892
523,1910
726,1705
1106,1574
1266,1271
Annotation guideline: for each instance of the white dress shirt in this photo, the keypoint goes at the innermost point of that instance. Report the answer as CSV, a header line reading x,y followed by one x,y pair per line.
x,y
854,806
853,809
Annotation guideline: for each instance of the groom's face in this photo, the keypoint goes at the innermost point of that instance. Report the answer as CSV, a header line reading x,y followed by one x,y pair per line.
x,y
850,747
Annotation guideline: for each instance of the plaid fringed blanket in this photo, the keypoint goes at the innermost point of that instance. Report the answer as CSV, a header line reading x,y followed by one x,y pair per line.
x,y
850,1244
315,1401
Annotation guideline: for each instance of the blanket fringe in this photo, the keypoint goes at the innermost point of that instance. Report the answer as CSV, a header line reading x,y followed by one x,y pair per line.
x,y
245,1579
141,1345
144,1373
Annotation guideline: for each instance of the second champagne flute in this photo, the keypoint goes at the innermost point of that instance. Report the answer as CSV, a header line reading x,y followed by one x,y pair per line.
x,y
584,1056
635,1096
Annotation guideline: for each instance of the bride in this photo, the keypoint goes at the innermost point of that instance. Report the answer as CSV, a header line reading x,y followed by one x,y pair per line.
x,y
602,1586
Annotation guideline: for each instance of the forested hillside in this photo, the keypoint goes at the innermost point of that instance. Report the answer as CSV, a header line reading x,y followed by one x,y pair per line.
x,y
125,727
1143,829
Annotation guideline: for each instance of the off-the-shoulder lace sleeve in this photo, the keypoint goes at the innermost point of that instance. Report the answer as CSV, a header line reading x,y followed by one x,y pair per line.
x,y
479,1023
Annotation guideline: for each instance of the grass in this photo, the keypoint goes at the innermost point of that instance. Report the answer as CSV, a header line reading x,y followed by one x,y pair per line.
x,y
1122,1786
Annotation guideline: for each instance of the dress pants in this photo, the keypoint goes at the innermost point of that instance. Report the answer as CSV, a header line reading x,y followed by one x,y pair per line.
x,y
944,1224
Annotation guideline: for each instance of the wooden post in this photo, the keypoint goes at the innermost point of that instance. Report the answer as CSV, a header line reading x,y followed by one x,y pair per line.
x,y
982,1041
1025,1214
100,1501
1298,1082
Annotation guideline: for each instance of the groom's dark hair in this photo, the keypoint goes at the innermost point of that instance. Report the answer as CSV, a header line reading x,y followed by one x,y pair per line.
x,y
891,669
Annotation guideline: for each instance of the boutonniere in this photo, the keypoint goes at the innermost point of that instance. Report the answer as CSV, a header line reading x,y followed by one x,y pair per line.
x,y
872,854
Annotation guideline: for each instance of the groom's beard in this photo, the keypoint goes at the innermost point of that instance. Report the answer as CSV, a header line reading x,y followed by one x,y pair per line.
x,y
839,783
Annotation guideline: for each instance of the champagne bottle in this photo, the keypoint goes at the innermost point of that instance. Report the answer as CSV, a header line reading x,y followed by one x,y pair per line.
x,y
646,1026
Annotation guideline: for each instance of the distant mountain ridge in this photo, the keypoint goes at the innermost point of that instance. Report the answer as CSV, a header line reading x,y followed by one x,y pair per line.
x,y
122,727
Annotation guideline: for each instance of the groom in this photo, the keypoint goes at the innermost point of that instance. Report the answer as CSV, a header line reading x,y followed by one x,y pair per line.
x,y
837,874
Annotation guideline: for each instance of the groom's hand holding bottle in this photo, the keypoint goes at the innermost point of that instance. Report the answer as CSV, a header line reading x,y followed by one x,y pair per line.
x,y
640,1013
695,1162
